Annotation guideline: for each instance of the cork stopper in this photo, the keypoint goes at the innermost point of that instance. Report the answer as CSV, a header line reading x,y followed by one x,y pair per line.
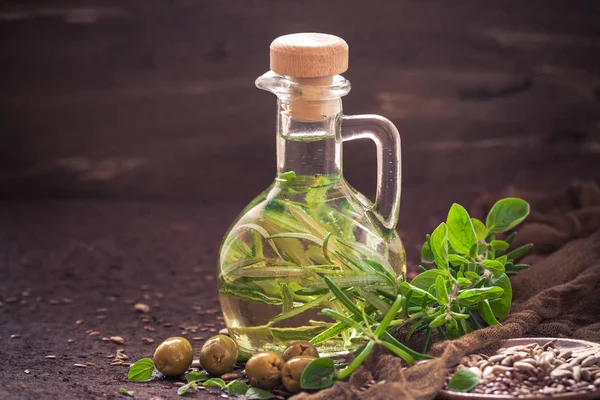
x,y
309,55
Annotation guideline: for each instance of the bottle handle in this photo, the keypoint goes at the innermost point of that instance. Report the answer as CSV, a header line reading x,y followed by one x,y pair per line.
x,y
387,139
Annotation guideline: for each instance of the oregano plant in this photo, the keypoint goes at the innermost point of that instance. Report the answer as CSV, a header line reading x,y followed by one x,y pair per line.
x,y
466,285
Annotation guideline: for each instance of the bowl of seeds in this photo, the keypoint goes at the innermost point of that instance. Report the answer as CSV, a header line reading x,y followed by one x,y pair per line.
x,y
531,368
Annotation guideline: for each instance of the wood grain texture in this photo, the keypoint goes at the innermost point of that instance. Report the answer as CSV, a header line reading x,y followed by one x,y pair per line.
x,y
309,55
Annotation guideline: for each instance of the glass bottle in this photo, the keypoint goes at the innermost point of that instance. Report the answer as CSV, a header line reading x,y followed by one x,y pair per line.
x,y
310,223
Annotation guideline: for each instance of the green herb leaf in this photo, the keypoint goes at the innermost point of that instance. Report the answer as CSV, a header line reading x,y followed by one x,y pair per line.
x,y
461,232
319,374
501,305
141,370
519,252
258,394
480,229
236,387
215,382
243,356
426,254
425,279
183,390
393,311
499,245
439,246
346,372
486,313
494,266
441,291
470,297
457,260
437,321
287,297
506,214
459,316
463,381
195,376
127,392
419,295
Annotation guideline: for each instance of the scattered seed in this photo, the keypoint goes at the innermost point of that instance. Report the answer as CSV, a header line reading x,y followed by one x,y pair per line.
x,y
149,328
197,338
126,364
117,339
147,340
588,362
15,336
229,376
50,357
168,324
93,333
141,307
90,364
67,301
80,365
79,322
224,331
70,340
101,310
26,371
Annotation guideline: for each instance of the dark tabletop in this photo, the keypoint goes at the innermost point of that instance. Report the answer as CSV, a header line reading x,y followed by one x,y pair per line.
x,y
132,135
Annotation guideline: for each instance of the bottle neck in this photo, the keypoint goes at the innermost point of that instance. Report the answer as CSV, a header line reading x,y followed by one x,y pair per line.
x,y
309,147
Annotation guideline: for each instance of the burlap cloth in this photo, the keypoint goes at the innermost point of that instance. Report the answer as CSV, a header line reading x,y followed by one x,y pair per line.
x,y
558,297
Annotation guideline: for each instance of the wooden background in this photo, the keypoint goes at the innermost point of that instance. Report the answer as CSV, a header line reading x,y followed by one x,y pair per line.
x,y
132,134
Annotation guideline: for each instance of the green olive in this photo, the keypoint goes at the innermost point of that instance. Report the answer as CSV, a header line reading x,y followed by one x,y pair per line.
x,y
292,372
173,356
218,355
264,370
300,349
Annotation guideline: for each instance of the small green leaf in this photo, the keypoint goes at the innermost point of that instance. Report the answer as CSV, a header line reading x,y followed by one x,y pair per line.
x,y
183,390
258,394
287,297
195,376
461,232
459,316
463,381
441,291
520,252
427,278
473,276
516,267
392,312
457,260
215,382
463,281
439,246
419,295
506,214
426,254
346,372
495,267
437,321
127,392
480,229
470,297
499,245
286,176
486,313
243,356
141,370
501,306
236,387
319,374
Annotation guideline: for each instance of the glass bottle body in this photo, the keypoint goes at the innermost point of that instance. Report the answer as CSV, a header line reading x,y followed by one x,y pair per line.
x,y
309,224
